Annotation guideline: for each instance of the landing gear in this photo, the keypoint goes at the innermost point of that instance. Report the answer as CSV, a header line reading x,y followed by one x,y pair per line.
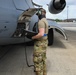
x,y
50,37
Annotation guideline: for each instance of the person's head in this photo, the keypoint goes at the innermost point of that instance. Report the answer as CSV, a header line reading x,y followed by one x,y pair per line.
x,y
41,13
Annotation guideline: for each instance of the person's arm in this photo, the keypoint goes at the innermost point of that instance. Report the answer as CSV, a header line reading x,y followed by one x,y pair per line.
x,y
40,34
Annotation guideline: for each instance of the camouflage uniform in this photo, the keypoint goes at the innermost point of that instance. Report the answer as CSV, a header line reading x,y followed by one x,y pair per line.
x,y
40,50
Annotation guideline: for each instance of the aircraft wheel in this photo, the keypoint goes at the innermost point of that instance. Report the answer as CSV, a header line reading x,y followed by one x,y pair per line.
x,y
50,37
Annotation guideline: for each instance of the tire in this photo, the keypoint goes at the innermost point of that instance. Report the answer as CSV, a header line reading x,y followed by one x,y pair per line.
x,y
50,37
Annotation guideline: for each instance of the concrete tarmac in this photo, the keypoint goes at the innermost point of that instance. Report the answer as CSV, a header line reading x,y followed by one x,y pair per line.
x,y
61,57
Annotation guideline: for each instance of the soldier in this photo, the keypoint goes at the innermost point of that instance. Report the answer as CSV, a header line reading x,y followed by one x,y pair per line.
x,y
41,44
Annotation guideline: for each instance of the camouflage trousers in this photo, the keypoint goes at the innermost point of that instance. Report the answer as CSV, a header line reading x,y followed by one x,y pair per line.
x,y
39,57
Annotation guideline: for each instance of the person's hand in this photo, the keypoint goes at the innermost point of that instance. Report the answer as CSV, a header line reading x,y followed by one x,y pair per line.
x,y
32,37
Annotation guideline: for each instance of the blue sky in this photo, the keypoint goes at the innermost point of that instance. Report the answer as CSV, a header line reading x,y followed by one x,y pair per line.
x,y
63,15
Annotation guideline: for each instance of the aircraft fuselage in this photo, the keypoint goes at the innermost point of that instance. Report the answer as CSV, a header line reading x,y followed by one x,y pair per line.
x,y
10,10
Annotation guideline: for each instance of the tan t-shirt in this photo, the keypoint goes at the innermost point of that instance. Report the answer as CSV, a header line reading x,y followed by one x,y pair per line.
x,y
43,24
